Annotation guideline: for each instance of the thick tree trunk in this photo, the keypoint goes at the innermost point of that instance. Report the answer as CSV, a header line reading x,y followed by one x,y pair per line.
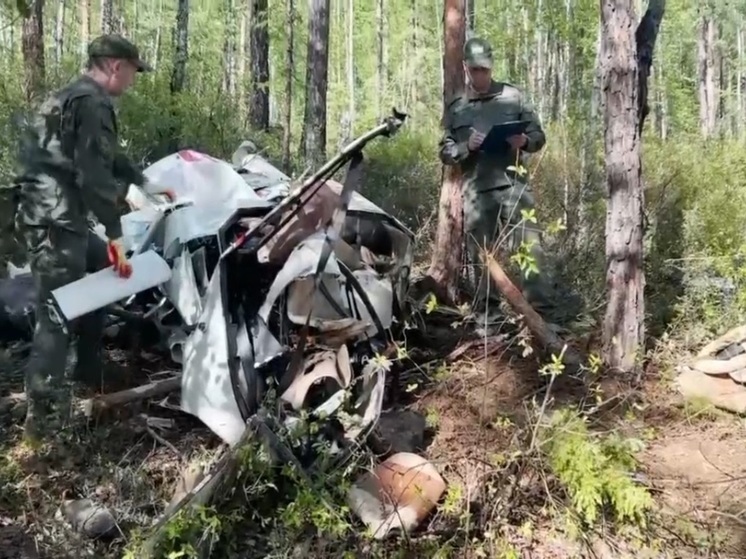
x,y
313,140
626,59
259,38
32,41
445,266
625,279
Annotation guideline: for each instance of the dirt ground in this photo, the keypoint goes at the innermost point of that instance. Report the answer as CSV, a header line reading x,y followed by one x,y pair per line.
x,y
694,462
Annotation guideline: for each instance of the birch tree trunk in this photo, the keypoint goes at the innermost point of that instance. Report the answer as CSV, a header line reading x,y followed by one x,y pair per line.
x,y
107,16
229,49
59,30
32,45
84,7
708,92
380,66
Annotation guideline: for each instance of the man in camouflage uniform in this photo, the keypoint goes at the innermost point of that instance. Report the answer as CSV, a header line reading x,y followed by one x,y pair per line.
x,y
495,189
69,164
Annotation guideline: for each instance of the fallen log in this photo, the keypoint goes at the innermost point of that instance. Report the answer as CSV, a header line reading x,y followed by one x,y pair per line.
x,y
538,327
106,401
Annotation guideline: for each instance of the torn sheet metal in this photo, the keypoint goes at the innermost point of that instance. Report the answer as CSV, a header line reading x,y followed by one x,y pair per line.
x,y
201,179
182,289
206,388
318,367
192,222
302,262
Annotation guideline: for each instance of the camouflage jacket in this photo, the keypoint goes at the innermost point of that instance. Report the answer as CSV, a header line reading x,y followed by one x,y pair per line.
x,y
70,164
502,103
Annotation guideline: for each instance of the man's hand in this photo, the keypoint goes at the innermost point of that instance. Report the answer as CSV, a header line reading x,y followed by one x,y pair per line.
x,y
117,258
167,192
475,140
518,142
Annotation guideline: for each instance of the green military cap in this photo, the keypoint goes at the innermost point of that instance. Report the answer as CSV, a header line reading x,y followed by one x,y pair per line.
x,y
116,46
478,53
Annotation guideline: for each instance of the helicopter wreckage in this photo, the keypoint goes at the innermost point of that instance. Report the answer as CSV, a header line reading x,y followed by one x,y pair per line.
x,y
274,299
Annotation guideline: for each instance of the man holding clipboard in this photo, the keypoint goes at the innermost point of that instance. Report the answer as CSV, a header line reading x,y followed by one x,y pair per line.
x,y
488,130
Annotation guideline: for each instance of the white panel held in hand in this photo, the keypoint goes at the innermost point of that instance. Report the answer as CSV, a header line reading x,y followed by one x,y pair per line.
x,y
105,287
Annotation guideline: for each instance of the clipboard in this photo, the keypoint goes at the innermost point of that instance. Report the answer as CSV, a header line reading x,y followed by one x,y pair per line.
x,y
496,140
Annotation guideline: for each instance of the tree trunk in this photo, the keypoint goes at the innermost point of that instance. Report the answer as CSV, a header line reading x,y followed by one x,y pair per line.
x,y
59,33
32,41
707,66
156,57
380,64
645,37
181,47
350,60
626,59
259,37
84,6
289,89
107,16
229,49
313,140
445,266
471,15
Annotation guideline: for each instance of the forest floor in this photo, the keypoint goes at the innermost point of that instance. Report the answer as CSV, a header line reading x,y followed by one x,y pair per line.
x,y
694,464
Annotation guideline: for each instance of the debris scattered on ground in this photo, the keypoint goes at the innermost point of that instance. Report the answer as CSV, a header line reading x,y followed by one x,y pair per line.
x,y
397,495
89,518
718,373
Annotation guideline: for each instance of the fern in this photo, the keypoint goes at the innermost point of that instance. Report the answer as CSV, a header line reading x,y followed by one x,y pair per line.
x,y
595,470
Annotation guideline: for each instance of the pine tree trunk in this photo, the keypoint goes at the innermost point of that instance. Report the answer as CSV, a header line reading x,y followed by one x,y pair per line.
x,y
445,266
313,139
259,92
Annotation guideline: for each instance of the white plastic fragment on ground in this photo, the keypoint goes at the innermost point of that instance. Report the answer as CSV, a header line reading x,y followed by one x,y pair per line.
x,y
105,287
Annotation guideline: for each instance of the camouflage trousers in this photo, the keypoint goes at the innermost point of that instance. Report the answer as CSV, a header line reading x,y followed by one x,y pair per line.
x,y
57,257
494,220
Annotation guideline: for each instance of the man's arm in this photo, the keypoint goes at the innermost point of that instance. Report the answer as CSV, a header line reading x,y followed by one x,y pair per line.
x,y
126,171
95,148
451,152
534,131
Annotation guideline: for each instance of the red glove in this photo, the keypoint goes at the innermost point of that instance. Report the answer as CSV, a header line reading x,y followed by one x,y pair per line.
x,y
117,258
